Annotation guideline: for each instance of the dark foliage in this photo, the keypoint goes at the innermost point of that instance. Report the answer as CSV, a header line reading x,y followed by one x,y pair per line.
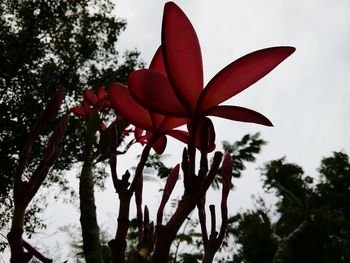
x,y
44,45
242,152
312,223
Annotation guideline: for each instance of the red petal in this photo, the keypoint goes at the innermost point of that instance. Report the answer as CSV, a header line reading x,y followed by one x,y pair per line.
x,y
142,139
170,123
157,63
127,107
239,114
86,107
138,133
182,55
153,90
79,111
240,74
160,144
157,119
89,96
101,93
179,135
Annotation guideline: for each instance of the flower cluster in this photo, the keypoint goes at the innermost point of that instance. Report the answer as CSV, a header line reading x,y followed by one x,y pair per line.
x,y
170,99
99,101
173,87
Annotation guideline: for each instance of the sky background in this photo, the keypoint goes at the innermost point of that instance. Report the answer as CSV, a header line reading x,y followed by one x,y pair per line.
x,y
306,97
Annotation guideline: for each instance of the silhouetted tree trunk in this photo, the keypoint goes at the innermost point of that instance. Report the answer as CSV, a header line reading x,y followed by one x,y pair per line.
x,y
90,230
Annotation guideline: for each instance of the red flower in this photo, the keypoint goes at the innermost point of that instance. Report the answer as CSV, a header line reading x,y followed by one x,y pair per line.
x,y
179,92
156,125
99,100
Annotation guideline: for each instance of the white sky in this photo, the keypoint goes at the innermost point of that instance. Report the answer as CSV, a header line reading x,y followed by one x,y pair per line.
x,y
306,97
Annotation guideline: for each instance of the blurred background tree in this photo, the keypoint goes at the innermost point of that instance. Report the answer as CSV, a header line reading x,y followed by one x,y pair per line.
x,y
310,222
44,45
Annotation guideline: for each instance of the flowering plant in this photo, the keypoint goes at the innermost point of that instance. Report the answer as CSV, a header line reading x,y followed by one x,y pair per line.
x,y
167,99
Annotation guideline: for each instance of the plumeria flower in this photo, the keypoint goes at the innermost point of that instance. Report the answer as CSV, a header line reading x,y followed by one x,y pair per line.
x,y
91,101
156,126
179,91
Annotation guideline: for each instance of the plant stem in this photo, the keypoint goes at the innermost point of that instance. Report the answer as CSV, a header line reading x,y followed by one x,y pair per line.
x,y
118,245
166,234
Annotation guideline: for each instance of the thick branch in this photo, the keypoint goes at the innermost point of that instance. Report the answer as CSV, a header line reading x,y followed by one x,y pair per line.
x,y
88,220
283,252
36,253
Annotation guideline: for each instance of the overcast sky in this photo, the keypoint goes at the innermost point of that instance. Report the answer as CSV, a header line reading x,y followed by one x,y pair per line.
x,y
306,97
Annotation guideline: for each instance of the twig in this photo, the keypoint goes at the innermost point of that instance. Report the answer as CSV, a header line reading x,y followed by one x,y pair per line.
x,y
36,253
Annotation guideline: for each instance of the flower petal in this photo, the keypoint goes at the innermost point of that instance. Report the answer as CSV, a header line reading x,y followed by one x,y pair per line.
x,y
100,93
90,96
179,135
236,113
160,144
153,90
138,132
78,111
157,119
182,55
142,140
170,123
157,63
127,107
240,74
87,107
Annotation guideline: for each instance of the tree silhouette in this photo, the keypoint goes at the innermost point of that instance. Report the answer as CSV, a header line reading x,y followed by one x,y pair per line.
x,y
44,45
312,222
